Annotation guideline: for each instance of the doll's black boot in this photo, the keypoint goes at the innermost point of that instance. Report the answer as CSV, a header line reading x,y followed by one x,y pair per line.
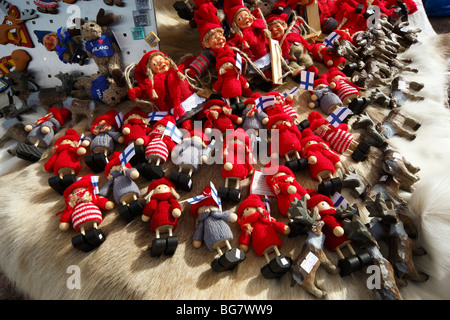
x,y
158,247
228,261
171,245
277,267
29,152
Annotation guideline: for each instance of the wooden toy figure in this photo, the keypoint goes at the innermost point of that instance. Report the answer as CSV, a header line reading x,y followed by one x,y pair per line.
x,y
157,150
219,116
41,133
65,162
68,48
103,136
189,155
289,140
238,162
322,161
212,228
135,129
344,88
286,188
335,236
339,138
324,97
83,211
163,211
49,6
126,192
262,231
283,102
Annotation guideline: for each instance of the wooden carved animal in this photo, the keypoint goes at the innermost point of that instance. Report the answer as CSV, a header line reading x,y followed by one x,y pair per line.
x,y
83,109
396,165
13,22
396,124
386,225
344,48
370,133
15,132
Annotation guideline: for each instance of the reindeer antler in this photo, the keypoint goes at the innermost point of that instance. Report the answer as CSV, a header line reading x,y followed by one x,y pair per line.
x,y
103,19
5,6
28,14
380,209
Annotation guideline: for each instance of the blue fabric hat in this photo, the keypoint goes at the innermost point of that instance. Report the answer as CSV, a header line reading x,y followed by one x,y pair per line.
x,y
40,34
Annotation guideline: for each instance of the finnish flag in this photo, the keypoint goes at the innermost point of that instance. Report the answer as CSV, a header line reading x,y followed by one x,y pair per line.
x,y
81,139
210,147
215,195
264,102
293,91
329,40
119,119
339,200
307,80
196,199
94,182
157,115
239,62
127,154
338,116
173,132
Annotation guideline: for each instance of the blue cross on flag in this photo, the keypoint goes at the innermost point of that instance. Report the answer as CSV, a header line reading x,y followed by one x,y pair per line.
x,y
338,116
127,154
157,115
215,195
293,91
81,139
173,132
306,80
329,40
196,199
264,102
94,182
339,200
119,119
239,62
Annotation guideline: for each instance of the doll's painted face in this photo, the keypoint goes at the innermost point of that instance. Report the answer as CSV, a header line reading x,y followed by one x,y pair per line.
x,y
216,41
226,66
249,211
50,41
281,122
159,64
102,126
309,143
162,188
277,30
133,116
68,141
323,205
160,127
244,19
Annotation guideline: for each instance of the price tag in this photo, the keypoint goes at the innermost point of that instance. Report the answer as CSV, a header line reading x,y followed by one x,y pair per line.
x,y
309,262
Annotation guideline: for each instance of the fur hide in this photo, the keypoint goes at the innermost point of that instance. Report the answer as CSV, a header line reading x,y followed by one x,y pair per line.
x,y
37,257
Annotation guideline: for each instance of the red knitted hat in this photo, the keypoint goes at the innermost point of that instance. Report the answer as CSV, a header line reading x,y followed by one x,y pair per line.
x,y
114,161
271,18
70,134
135,110
280,168
332,72
308,135
240,134
315,120
252,200
253,98
315,198
165,120
207,21
140,72
109,117
321,80
84,182
225,55
213,102
209,201
231,8
60,114
157,182
199,133
274,117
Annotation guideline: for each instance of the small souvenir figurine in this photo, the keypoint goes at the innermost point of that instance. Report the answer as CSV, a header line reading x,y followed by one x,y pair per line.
x,y
283,102
252,117
230,83
263,231
238,162
211,37
65,161
41,134
339,138
344,88
157,150
83,211
322,161
286,188
102,139
135,129
335,236
125,191
294,47
289,140
68,48
163,211
324,97
219,116
320,53
188,155
212,228
50,6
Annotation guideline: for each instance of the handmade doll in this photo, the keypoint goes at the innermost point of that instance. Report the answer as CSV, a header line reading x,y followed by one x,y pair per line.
x,y
262,231
219,116
157,150
324,97
253,120
287,138
163,82
294,48
163,211
335,236
126,192
41,133
344,88
68,48
282,101
103,136
230,83
339,138
250,36
238,162
212,228
135,129
211,38
189,155
83,212
322,161
320,53
65,161
285,187
50,6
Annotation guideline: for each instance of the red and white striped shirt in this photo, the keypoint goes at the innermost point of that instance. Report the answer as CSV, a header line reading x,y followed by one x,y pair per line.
x,y
85,212
339,140
157,147
344,90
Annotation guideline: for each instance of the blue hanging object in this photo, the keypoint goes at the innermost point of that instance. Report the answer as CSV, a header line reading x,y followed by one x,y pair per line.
x,y
437,8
